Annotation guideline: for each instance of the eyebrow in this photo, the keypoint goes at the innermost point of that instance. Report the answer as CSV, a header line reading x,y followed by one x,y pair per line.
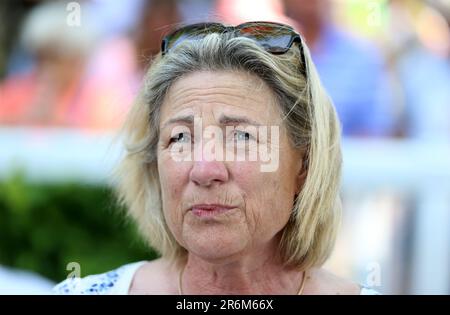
x,y
237,120
187,119
223,120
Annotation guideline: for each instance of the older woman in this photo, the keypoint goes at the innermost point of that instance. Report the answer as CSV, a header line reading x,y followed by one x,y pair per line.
x,y
232,169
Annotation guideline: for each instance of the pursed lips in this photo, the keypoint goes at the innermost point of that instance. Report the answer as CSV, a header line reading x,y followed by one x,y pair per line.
x,y
210,210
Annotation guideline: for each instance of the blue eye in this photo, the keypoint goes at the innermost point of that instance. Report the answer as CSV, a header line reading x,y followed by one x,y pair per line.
x,y
181,137
242,135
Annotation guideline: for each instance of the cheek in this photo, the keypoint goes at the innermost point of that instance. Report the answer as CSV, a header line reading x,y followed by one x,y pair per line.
x,y
173,178
265,212
278,200
267,200
172,174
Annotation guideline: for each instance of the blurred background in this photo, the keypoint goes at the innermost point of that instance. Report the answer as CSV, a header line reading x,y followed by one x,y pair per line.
x,y
69,71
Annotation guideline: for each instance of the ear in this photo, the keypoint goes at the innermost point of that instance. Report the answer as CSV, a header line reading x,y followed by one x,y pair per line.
x,y
301,174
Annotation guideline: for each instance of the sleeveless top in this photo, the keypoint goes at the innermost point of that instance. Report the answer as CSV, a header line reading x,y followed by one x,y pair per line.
x,y
118,282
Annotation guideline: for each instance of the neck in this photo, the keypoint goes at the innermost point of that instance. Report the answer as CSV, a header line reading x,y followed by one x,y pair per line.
x,y
254,273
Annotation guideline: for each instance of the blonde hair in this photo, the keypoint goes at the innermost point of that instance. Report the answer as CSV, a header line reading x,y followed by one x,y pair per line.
x,y
308,115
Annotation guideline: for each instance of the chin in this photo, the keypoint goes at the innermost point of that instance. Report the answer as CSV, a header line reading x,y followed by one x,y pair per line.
x,y
215,247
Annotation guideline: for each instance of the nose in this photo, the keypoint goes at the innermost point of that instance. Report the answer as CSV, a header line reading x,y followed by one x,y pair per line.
x,y
206,173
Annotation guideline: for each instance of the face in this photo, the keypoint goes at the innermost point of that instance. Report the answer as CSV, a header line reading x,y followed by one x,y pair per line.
x,y
219,207
303,11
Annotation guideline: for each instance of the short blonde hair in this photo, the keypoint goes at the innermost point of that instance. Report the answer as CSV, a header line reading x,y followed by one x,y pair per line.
x,y
308,115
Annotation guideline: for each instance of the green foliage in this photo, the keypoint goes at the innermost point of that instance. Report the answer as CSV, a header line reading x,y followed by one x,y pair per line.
x,y
44,227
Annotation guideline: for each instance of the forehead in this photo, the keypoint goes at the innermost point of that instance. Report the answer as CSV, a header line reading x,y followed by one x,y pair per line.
x,y
225,91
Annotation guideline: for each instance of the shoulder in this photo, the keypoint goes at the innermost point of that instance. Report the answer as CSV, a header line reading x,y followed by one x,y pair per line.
x,y
164,277
321,281
116,281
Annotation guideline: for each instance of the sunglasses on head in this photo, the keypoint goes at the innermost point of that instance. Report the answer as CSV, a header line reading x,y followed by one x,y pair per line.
x,y
275,38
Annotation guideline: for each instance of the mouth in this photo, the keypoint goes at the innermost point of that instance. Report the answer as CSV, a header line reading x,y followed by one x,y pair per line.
x,y
210,210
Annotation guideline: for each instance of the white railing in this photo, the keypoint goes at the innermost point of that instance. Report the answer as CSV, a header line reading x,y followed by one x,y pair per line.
x,y
420,169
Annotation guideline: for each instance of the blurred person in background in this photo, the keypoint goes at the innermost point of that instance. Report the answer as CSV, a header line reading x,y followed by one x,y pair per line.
x,y
238,11
158,17
120,59
57,90
351,69
419,43
12,14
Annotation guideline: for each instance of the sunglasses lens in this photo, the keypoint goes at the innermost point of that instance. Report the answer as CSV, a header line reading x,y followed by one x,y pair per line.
x,y
279,44
272,38
191,32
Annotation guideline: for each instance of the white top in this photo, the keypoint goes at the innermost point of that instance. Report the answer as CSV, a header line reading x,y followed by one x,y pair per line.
x,y
118,281
16,281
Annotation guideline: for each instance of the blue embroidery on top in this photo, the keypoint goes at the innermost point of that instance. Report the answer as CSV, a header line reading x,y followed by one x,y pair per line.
x,y
95,284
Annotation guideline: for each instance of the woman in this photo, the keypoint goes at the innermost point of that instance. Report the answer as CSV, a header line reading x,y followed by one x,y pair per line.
x,y
224,221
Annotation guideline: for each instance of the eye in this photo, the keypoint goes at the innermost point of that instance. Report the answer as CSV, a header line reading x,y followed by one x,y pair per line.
x,y
242,135
182,137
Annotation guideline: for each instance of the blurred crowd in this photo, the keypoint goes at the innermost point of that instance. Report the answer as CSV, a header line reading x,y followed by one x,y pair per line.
x,y
385,63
